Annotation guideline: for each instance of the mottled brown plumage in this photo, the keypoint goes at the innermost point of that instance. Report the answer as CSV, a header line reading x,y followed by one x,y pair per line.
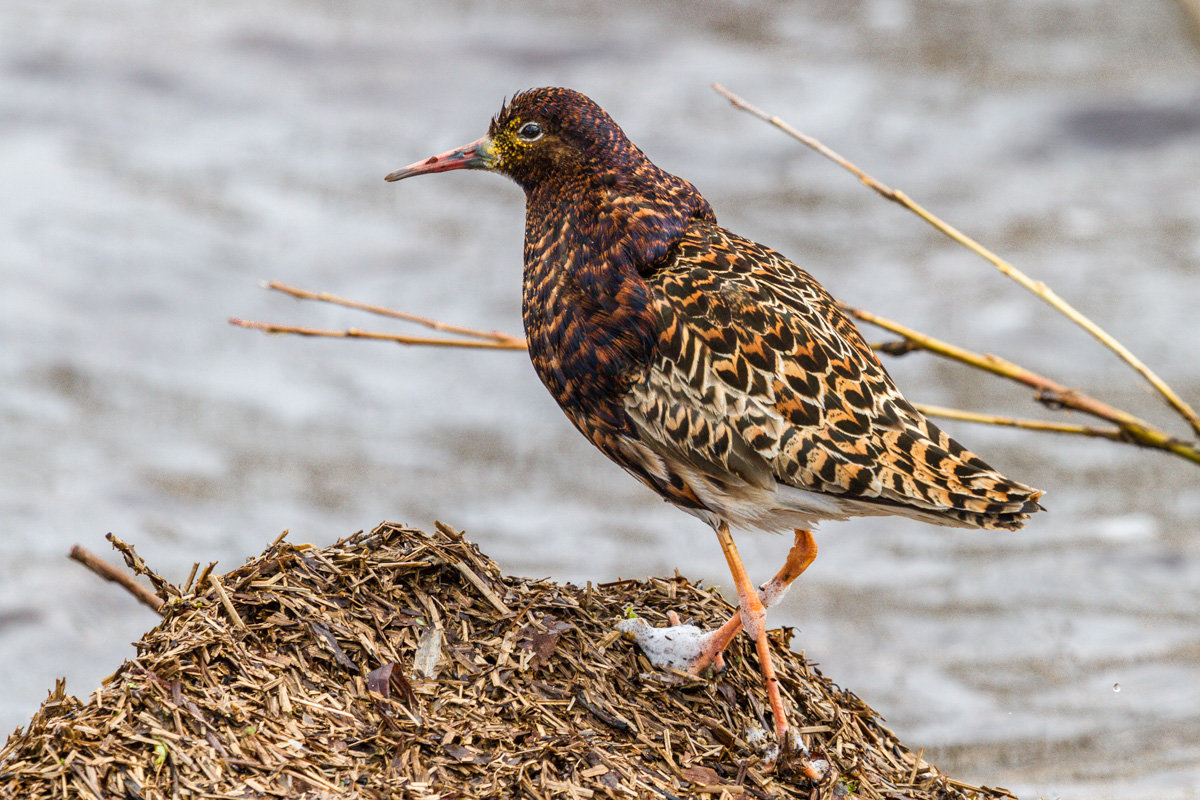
x,y
713,369
759,379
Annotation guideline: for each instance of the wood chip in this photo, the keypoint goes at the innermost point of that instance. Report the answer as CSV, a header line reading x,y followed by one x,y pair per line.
x,y
215,582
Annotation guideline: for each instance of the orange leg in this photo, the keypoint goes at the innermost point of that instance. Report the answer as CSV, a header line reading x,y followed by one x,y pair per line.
x,y
753,618
803,553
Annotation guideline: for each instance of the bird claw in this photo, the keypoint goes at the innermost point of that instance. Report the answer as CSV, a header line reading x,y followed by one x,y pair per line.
x,y
787,753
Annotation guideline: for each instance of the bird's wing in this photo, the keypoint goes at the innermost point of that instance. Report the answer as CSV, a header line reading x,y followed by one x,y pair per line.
x,y
759,377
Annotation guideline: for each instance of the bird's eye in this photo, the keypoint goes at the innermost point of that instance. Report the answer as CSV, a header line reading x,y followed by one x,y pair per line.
x,y
530,131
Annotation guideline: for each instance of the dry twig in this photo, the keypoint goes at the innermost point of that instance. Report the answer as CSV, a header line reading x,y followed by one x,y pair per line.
x,y
162,588
514,342
111,573
355,333
1036,287
1128,428
1050,393
1014,422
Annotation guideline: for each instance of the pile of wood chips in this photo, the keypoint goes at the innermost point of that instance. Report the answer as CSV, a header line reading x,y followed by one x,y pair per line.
x,y
400,664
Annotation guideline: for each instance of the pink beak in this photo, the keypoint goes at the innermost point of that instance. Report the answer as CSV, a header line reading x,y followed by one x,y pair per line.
x,y
476,155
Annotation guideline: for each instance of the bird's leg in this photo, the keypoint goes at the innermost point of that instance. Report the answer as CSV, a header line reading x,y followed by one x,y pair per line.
x,y
803,553
754,621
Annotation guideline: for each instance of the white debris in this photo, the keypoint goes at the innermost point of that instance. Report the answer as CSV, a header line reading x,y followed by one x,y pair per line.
x,y
676,647
756,737
429,652
762,742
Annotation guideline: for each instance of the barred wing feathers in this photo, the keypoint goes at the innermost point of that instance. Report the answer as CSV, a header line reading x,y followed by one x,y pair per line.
x,y
765,400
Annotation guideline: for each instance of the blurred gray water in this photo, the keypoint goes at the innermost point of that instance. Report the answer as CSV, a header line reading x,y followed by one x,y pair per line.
x,y
158,160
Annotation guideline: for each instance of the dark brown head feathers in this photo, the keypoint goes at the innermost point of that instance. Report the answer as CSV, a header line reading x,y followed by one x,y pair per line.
x,y
570,116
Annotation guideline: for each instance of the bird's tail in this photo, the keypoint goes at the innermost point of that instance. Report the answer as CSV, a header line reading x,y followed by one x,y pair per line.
x,y
937,476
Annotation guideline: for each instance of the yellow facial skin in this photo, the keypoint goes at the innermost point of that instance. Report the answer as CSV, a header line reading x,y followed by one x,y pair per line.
x,y
506,148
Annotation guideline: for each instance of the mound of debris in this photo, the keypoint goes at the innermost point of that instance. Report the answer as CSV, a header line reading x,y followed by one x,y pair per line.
x,y
400,664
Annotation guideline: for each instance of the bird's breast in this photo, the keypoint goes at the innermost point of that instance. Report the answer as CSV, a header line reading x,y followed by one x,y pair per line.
x,y
590,326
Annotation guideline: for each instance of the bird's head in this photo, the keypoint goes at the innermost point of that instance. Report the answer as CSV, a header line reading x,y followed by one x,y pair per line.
x,y
540,135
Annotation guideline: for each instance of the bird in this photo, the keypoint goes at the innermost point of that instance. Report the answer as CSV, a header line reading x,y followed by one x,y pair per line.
x,y
710,367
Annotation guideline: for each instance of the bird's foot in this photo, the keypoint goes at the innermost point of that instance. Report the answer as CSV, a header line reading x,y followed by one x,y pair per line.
x,y
689,650
712,645
787,753
677,647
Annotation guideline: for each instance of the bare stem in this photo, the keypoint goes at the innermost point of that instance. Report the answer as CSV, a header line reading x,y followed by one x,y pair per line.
x,y
437,325
1037,287
1049,392
162,588
215,582
508,343
1130,429
1013,422
110,573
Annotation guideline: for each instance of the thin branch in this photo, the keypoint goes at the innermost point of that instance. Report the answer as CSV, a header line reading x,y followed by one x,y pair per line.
x,y
1013,422
1037,287
162,588
110,573
1130,429
437,325
510,343
1049,392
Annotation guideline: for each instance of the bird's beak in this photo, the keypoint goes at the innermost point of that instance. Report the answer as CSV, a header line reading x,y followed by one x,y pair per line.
x,y
480,154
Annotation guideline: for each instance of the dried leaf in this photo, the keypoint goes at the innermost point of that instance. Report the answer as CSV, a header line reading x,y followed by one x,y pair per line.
x,y
379,680
387,679
701,775
543,638
545,642
327,638
461,753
